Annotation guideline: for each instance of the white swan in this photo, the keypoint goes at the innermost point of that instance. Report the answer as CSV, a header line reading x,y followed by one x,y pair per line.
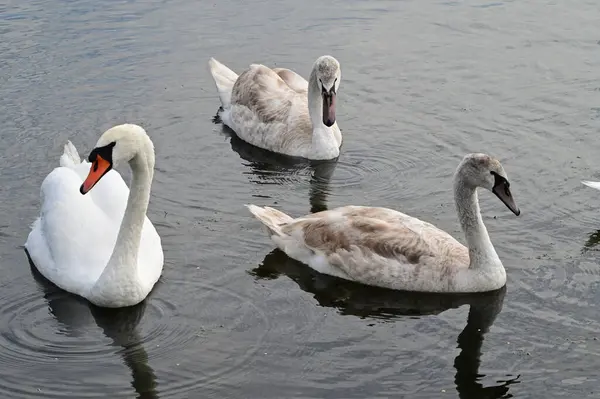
x,y
278,110
386,248
100,246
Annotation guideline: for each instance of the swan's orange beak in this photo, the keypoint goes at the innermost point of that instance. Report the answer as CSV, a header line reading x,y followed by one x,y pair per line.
x,y
98,169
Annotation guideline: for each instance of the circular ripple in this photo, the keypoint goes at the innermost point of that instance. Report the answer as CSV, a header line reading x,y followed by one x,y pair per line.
x,y
376,171
41,336
229,329
380,171
57,345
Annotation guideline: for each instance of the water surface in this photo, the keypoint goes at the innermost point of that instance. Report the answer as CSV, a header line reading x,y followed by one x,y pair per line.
x,y
423,83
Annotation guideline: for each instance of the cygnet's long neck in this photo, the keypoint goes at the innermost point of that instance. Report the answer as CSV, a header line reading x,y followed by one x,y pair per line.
x,y
122,266
481,251
324,143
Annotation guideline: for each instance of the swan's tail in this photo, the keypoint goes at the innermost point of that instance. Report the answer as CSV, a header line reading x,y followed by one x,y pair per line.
x,y
70,156
224,78
271,218
592,184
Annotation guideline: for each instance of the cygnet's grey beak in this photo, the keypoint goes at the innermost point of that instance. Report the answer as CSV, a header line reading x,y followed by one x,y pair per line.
x,y
502,191
328,106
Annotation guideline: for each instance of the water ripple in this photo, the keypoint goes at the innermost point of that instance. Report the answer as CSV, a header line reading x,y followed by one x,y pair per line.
x,y
60,333
229,329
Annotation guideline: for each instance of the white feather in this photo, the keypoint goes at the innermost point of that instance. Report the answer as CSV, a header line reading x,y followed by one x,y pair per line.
x,y
592,184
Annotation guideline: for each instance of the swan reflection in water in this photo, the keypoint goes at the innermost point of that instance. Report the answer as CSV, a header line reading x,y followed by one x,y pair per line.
x,y
370,302
271,168
592,241
118,325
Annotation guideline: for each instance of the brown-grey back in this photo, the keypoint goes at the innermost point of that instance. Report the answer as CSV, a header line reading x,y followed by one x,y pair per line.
x,y
379,231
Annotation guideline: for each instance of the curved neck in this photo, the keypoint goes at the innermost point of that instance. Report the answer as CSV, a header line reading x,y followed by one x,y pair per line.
x,y
315,101
323,139
124,259
481,251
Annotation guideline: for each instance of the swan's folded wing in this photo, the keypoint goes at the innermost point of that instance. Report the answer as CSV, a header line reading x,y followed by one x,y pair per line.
x,y
264,93
370,246
72,240
293,80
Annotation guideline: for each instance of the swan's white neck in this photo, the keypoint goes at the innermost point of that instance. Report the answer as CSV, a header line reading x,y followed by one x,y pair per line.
x,y
324,142
482,254
120,278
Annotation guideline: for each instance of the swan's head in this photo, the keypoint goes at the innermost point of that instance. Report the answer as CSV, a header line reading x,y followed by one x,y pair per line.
x,y
481,170
118,144
328,74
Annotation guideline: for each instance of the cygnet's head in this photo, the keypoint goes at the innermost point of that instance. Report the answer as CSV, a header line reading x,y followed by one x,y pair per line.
x,y
118,144
481,170
328,74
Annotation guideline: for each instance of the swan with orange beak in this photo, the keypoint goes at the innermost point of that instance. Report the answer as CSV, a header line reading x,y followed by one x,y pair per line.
x,y
100,245
101,159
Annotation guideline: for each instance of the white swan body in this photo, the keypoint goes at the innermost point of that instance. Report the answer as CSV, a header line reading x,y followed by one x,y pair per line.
x,y
100,246
278,110
386,248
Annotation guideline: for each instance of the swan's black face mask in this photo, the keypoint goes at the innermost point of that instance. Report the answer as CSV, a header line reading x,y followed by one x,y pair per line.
x,y
101,159
502,191
329,97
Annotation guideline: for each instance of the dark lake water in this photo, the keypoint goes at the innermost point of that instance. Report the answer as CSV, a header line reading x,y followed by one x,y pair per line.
x,y
423,83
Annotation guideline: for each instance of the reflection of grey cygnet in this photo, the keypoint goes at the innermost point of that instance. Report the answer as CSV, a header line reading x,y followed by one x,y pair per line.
x,y
278,110
386,248
319,186
267,167
482,314
372,303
